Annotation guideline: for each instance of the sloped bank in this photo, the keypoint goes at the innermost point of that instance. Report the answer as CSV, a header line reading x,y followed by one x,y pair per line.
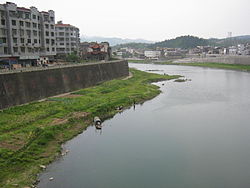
x,y
31,135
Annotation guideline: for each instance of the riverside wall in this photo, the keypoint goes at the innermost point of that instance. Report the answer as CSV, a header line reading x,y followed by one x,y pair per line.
x,y
240,60
24,87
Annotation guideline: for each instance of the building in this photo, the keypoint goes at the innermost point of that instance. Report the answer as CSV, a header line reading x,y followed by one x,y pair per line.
x,y
26,35
95,51
67,39
152,54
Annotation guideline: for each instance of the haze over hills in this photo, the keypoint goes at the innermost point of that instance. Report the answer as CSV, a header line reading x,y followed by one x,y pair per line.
x,y
186,42
112,40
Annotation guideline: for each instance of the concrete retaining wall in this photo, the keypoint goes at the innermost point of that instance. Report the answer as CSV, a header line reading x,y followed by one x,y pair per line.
x,y
242,60
24,87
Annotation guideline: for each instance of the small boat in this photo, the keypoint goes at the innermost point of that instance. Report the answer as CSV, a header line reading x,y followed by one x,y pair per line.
x,y
98,123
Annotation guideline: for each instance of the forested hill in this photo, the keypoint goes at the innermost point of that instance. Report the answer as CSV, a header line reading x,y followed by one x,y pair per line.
x,y
187,42
184,42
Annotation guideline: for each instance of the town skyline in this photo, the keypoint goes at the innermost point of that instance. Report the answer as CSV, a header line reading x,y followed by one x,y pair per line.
x,y
154,21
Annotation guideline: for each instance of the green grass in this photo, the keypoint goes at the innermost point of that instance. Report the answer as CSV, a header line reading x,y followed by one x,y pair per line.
x,y
31,134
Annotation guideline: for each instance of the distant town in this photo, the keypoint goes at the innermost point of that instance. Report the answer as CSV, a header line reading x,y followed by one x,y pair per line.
x,y
184,49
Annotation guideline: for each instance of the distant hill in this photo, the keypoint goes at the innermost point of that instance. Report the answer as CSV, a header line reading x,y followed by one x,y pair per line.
x,y
229,41
184,42
132,45
113,40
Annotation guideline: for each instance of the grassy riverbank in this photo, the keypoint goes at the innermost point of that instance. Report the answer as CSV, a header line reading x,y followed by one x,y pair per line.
x,y
31,135
210,65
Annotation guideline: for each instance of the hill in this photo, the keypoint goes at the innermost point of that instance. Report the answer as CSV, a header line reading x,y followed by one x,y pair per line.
x,y
184,42
229,41
112,40
132,45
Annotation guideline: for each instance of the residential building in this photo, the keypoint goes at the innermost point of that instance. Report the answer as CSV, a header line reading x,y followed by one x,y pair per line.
x,y
67,39
152,54
95,51
26,35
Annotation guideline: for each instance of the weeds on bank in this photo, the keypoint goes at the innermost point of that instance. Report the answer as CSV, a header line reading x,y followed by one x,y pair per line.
x,y
31,134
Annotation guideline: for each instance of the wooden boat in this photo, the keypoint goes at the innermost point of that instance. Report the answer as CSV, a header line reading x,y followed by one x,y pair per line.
x,y
97,122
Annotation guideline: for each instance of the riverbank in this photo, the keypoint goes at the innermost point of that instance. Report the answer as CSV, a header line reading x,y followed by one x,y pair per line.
x,y
209,65
31,135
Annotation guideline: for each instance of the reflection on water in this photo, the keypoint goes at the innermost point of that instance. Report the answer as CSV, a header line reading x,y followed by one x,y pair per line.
x,y
195,134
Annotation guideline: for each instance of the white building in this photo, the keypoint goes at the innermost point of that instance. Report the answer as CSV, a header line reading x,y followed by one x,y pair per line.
x,y
152,54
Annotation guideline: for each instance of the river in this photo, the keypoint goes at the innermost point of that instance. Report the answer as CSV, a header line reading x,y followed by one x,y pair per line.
x,y
195,134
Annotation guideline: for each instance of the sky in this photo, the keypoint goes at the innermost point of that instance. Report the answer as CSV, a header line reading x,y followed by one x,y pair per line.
x,y
155,20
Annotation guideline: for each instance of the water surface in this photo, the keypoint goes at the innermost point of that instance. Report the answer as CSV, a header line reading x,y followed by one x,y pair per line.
x,y
195,134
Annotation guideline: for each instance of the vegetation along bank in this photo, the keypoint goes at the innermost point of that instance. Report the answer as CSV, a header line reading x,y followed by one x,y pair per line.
x,y
31,135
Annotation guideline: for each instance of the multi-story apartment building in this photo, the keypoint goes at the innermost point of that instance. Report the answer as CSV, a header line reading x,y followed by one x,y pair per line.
x,y
67,39
26,34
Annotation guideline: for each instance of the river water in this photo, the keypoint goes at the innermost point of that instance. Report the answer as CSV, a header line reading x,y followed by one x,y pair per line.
x,y
195,134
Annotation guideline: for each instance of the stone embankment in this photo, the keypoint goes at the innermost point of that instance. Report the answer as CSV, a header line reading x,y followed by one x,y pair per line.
x,y
22,87
239,60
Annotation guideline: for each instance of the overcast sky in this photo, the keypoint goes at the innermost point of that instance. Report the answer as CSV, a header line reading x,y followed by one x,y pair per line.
x,y
152,20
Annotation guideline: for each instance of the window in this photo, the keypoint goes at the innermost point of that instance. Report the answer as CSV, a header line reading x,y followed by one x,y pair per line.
x,y
29,41
47,26
2,22
20,14
13,13
39,27
53,49
15,49
52,26
35,41
13,22
21,32
52,41
28,32
15,40
27,15
5,50
61,44
34,25
46,18
14,31
38,17
22,40
3,31
27,24
52,34
47,33
21,23
3,40
34,16
34,33
23,49
47,49
47,41
52,19
61,34
29,49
